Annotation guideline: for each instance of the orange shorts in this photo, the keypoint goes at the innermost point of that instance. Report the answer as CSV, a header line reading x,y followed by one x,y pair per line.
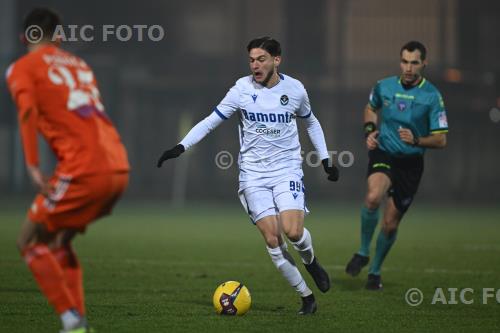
x,y
76,202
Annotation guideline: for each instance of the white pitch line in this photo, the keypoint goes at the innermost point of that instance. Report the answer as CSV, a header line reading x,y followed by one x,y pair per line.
x,y
153,262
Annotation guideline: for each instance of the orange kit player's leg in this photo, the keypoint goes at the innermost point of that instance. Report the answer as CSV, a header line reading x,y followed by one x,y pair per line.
x,y
106,191
67,259
33,244
53,221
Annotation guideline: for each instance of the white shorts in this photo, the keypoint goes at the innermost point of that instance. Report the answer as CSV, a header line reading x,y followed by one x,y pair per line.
x,y
270,197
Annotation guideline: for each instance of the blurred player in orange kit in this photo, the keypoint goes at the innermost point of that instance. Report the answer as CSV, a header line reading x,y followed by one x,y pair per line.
x,y
56,95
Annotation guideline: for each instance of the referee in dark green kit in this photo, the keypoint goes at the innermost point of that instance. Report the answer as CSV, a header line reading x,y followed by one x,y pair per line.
x,y
404,116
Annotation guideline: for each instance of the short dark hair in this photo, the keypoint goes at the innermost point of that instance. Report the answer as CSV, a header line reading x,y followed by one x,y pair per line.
x,y
45,18
414,45
272,46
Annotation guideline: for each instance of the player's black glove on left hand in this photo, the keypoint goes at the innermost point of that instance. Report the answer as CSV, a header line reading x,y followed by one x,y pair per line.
x,y
331,170
172,153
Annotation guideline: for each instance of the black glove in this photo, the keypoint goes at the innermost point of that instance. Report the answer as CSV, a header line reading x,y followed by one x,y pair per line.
x,y
331,170
172,153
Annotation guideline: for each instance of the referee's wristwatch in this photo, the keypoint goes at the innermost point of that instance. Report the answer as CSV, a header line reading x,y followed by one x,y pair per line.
x,y
416,141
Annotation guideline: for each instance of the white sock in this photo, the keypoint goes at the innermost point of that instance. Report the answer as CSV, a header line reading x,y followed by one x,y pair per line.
x,y
286,265
70,319
304,247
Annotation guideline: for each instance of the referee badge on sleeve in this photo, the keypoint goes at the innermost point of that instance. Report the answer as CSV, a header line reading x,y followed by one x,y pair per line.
x,y
443,121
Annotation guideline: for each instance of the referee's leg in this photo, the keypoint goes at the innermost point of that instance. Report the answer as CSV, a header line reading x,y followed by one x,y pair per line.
x,y
378,184
385,240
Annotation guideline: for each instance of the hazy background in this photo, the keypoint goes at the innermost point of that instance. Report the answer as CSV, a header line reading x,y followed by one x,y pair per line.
x,y
155,91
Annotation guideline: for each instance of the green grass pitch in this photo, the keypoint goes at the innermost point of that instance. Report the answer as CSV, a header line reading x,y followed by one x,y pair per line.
x,y
153,268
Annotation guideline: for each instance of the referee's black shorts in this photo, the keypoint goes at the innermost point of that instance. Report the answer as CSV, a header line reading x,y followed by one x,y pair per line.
x,y
403,171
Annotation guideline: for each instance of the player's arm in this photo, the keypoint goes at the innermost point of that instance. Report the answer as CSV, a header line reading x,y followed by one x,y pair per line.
x,y
23,93
317,137
28,128
195,135
222,112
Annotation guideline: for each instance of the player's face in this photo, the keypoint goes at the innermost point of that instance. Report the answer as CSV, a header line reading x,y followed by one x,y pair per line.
x,y
263,65
411,66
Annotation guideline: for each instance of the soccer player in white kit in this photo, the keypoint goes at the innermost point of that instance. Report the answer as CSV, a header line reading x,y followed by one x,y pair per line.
x,y
271,185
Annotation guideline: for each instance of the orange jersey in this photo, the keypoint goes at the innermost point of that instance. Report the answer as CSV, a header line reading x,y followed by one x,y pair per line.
x,y
56,95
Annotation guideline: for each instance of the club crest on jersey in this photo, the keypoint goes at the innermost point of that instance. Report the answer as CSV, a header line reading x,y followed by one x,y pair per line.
x,y
284,100
401,105
254,97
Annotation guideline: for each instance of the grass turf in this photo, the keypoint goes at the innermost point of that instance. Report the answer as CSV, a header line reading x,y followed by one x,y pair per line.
x,y
153,268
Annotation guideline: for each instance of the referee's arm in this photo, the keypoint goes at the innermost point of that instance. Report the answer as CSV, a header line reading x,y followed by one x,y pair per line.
x,y
435,140
370,126
370,114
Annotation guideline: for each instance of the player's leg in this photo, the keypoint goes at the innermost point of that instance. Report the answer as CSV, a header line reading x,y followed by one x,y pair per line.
x,y
270,229
101,194
292,224
259,204
292,221
378,183
63,251
78,202
289,196
386,238
33,243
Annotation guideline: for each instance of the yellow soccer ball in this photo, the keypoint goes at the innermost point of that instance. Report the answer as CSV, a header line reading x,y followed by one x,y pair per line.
x,y
232,298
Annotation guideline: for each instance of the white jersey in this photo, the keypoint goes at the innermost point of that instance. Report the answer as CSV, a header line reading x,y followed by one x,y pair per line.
x,y
268,132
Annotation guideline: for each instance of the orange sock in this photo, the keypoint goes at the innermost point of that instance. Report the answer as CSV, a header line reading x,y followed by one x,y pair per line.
x,y
49,276
70,265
